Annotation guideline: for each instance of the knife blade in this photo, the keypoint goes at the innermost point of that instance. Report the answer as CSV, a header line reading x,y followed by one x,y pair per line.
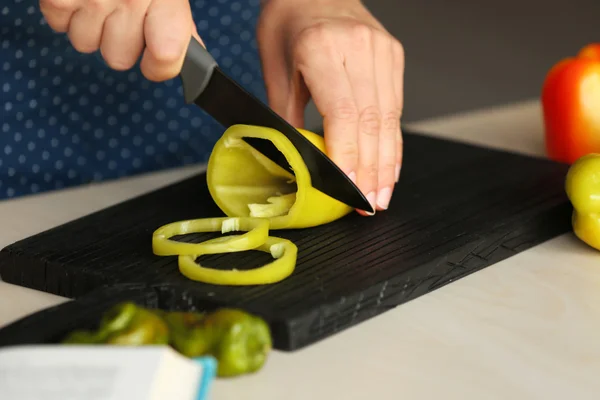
x,y
208,87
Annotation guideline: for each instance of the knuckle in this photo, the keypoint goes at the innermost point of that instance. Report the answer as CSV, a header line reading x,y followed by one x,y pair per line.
x,y
167,57
85,47
348,150
98,5
398,49
47,6
369,170
388,166
315,34
346,153
391,121
311,38
120,63
316,45
344,109
315,41
361,33
370,121
382,37
118,60
130,4
155,74
57,25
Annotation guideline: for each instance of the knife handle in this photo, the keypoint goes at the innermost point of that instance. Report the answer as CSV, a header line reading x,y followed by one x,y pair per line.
x,y
196,71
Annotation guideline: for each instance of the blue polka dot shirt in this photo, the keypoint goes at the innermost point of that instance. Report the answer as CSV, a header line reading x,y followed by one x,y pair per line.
x,y
68,119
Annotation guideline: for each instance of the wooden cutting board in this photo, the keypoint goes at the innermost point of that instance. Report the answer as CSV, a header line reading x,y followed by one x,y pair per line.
x,y
458,208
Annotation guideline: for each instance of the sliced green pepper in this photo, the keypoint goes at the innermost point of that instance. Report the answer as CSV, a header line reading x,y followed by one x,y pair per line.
x,y
257,232
284,251
259,195
245,183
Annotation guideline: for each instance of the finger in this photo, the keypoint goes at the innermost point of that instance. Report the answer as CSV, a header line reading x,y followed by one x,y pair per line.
x,y
87,23
297,99
317,59
360,67
398,79
123,36
286,91
274,70
390,126
58,13
167,32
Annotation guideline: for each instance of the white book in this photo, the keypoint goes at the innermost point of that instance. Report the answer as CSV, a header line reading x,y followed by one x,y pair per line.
x,y
93,372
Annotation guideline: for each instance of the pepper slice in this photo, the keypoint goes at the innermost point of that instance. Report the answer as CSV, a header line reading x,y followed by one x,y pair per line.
x,y
244,183
257,232
247,185
282,250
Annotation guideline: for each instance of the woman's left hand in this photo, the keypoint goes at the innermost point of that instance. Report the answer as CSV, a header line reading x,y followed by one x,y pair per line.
x,y
336,52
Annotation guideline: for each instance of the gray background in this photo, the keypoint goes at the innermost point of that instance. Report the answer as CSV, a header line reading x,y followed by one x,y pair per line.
x,y
468,54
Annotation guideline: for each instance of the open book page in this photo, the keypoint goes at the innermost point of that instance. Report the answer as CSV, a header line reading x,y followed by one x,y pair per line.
x,y
177,378
97,373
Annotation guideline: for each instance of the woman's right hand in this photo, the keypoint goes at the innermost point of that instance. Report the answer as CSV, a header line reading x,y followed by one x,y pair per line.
x,y
124,30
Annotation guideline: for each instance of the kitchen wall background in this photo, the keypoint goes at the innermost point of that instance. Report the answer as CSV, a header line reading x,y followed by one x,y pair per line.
x,y
469,54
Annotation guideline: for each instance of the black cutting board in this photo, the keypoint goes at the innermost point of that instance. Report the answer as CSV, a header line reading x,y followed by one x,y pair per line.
x,y
458,208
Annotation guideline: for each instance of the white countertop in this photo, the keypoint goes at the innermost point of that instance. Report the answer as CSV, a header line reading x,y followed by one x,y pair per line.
x,y
525,328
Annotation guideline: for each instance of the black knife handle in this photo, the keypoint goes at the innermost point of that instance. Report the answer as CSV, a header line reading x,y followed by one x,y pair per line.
x,y
196,71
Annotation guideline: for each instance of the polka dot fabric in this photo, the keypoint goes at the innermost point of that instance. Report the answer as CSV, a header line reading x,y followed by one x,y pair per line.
x,y
66,118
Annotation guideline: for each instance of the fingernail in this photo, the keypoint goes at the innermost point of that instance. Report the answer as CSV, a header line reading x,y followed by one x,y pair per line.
x,y
397,172
372,198
352,177
383,198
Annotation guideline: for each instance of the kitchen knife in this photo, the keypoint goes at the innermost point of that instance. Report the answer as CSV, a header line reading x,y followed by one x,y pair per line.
x,y
205,85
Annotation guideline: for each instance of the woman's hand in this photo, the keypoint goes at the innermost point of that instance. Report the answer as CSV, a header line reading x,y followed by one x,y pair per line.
x,y
336,52
123,30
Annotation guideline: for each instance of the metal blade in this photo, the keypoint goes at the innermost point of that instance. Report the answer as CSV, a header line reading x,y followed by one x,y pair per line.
x,y
230,104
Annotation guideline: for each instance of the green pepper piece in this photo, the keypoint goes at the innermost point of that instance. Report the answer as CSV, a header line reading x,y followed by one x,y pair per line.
x,y
80,337
125,324
144,328
113,320
242,341
187,333
117,318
